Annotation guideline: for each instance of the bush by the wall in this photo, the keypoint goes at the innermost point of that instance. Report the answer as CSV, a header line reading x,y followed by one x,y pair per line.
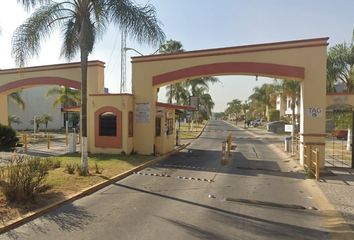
x,y
8,138
273,115
23,178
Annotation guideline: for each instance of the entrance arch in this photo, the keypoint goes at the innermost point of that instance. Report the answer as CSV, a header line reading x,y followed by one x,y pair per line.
x,y
302,60
59,74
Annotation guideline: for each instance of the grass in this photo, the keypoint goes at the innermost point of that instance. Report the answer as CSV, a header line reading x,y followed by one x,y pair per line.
x,y
187,134
60,184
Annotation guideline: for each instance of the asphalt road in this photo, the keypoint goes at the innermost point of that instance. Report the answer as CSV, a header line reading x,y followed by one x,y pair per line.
x,y
191,195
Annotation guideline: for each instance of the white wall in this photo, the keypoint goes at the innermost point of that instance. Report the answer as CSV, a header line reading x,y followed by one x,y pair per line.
x,y
37,104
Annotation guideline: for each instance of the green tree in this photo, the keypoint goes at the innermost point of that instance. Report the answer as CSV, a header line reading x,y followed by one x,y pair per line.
x,y
64,96
234,107
262,98
46,118
13,119
291,88
172,46
82,23
340,66
16,98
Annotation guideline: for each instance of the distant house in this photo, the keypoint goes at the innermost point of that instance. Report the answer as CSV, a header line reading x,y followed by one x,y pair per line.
x,y
283,105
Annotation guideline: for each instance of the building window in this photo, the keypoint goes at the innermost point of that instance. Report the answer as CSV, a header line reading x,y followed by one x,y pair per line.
x,y
158,126
130,124
170,126
108,124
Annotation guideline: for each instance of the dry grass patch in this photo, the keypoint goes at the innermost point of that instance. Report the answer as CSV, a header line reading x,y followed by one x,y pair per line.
x,y
60,184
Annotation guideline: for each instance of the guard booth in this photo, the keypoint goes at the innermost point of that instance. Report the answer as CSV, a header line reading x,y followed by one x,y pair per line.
x,y
165,126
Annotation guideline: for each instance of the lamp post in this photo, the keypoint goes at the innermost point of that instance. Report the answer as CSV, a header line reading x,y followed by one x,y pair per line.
x,y
134,50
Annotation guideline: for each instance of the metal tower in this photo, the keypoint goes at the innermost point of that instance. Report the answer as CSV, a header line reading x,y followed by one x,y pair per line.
x,y
123,61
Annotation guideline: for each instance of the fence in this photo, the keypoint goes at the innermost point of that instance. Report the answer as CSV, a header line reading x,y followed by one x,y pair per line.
x,y
45,141
311,161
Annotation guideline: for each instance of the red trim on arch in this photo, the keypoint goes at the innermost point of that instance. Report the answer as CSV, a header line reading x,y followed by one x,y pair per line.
x,y
231,68
40,81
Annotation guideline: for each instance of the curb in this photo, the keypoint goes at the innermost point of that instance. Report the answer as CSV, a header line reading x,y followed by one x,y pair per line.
x,y
31,216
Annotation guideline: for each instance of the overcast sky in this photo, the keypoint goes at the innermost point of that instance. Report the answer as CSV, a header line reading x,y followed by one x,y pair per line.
x,y
203,24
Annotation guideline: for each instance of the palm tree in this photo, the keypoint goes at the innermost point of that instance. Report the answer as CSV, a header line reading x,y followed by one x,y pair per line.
x,y
82,23
263,97
291,88
234,107
207,103
172,46
13,119
340,66
46,118
17,99
65,96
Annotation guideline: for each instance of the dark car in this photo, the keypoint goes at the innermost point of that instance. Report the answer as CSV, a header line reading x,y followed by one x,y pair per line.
x,y
276,127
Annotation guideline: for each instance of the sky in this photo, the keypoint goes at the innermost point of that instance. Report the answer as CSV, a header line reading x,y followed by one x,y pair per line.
x,y
203,24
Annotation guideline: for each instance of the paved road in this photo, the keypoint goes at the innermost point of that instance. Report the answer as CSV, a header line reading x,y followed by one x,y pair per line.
x,y
257,195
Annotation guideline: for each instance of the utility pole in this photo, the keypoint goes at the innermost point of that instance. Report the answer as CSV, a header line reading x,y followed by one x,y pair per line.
x,y
123,62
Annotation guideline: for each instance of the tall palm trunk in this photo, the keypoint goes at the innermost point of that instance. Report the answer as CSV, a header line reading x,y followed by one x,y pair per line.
x,y
84,59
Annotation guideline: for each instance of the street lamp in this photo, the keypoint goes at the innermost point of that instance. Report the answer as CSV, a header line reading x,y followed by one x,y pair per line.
x,y
127,49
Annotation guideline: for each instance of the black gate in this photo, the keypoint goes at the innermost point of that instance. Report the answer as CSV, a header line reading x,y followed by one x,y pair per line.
x,y
339,121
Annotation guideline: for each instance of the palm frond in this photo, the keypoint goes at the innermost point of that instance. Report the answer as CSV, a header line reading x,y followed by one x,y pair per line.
x,y
28,36
28,4
17,99
140,22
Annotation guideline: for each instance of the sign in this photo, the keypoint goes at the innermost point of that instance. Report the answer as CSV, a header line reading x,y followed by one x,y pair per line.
x,y
314,112
142,112
288,128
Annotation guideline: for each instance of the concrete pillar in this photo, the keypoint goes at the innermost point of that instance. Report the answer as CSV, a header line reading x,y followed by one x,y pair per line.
x,y
313,107
4,109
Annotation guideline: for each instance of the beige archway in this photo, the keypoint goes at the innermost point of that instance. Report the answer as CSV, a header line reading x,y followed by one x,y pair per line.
x,y
302,60
59,74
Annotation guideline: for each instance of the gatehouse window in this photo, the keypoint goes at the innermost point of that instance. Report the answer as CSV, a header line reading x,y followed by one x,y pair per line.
x,y
108,124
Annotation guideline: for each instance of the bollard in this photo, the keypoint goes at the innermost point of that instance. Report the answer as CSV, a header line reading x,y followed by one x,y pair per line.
x,y
48,136
25,142
224,160
229,141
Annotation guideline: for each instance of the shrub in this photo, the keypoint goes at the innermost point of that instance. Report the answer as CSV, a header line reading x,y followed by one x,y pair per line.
x,y
273,115
23,178
97,169
8,138
80,170
70,168
53,163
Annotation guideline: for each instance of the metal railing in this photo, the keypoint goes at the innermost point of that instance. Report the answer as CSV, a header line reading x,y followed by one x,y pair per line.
x,y
311,161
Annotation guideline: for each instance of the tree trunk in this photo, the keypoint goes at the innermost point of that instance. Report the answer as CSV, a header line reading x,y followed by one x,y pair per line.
x,y
171,95
84,59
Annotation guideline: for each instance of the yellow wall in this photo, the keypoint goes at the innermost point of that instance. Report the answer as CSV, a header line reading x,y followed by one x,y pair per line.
x,y
165,143
308,54
123,103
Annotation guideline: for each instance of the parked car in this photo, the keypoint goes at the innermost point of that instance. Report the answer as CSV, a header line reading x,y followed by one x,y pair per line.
x,y
276,126
256,123
341,134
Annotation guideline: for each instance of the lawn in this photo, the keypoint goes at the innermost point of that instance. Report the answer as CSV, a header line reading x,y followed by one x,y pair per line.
x,y
188,133
60,184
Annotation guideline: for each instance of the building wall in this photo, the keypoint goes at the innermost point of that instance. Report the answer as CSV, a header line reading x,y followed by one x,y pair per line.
x,y
123,103
36,104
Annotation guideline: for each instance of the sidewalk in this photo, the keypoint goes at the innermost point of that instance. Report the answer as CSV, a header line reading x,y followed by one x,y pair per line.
x,y
336,183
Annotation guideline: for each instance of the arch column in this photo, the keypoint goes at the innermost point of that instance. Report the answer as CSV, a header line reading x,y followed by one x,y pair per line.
x,y
313,107
4,110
